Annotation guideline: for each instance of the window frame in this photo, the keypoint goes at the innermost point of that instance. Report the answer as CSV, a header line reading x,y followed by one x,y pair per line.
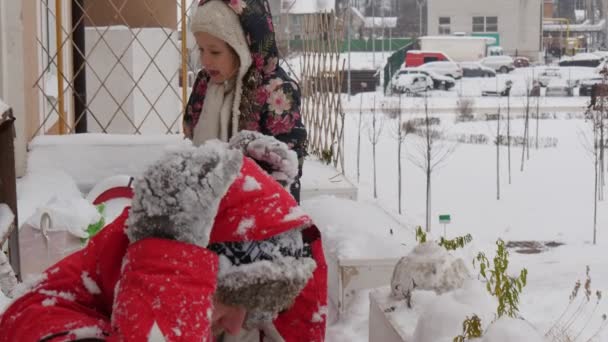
x,y
445,28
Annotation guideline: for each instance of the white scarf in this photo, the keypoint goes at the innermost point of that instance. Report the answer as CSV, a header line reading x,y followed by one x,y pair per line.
x,y
216,115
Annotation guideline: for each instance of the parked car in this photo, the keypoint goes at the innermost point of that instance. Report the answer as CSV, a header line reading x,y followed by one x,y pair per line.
x,y
446,68
439,81
581,59
495,51
558,87
475,69
586,85
502,64
521,62
412,84
548,74
414,58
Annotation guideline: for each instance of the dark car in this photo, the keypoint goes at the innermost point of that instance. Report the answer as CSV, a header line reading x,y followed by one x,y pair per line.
x,y
474,69
521,62
585,86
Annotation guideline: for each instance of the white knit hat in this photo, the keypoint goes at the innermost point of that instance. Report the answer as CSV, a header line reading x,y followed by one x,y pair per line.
x,y
218,19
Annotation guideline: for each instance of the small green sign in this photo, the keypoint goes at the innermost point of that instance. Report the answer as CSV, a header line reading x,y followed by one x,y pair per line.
x,y
444,219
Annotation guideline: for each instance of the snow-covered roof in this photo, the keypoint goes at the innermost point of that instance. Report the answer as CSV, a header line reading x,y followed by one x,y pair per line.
x,y
389,22
308,6
488,40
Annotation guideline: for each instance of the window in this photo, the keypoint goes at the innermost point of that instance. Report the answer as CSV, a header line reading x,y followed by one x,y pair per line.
x,y
444,25
485,24
479,24
491,24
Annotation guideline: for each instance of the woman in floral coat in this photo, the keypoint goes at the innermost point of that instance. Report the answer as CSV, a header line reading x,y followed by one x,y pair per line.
x,y
241,85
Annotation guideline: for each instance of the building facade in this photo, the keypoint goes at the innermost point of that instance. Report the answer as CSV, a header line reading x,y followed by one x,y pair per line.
x,y
516,24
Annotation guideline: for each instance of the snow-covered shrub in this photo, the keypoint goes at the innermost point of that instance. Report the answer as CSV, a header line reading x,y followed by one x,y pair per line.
x,y
428,267
498,282
464,108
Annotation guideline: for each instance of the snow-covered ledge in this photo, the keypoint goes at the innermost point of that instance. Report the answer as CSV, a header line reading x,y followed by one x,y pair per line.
x,y
91,158
362,245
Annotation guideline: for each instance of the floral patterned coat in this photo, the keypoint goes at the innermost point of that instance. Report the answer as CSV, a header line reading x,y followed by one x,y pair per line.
x,y
270,102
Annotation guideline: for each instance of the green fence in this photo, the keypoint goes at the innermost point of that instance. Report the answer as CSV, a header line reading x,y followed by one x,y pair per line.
x,y
361,45
394,63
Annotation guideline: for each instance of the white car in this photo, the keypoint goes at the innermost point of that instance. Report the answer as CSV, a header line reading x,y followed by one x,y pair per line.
x,y
502,64
549,74
439,81
445,68
558,87
411,83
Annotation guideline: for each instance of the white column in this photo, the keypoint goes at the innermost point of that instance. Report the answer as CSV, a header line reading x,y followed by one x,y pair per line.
x,y
12,76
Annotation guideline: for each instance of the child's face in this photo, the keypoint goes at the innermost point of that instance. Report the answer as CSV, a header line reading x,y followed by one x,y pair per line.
x,y
226,318
217,57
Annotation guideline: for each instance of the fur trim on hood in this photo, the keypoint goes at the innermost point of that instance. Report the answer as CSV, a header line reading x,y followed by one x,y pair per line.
x,y
178,196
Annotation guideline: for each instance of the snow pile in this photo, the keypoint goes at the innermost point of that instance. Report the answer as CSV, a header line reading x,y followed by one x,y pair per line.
x,y
428,267
440,317
6,218
67,214
38,187
508,329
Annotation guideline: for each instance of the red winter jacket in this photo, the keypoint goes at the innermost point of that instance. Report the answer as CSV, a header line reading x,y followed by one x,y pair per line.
x,y
118,291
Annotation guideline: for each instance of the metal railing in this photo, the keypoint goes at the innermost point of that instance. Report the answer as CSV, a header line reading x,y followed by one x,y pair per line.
x,y
113,66
321,83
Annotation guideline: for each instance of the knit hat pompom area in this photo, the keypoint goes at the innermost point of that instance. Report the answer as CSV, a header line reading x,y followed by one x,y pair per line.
x,y
178,196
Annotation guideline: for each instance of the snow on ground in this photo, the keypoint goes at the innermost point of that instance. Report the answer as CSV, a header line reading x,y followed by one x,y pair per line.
x,y
552,199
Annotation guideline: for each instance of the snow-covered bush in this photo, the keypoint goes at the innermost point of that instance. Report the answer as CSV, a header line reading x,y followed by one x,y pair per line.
x,y
428,267
464,108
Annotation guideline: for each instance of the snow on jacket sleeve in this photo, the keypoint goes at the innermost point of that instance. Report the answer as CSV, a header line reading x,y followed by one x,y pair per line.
x,y
161,284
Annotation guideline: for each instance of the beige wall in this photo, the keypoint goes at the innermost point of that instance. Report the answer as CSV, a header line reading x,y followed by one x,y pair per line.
x,y
519,21
133,13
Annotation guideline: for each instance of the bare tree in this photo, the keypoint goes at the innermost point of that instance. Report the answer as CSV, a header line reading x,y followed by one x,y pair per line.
x,y
430,153
374,136
497,142
508,93
525,143
596,115
363,86
399,131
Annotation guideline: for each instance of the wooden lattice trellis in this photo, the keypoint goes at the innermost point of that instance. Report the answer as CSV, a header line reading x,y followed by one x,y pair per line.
x,y
321,83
